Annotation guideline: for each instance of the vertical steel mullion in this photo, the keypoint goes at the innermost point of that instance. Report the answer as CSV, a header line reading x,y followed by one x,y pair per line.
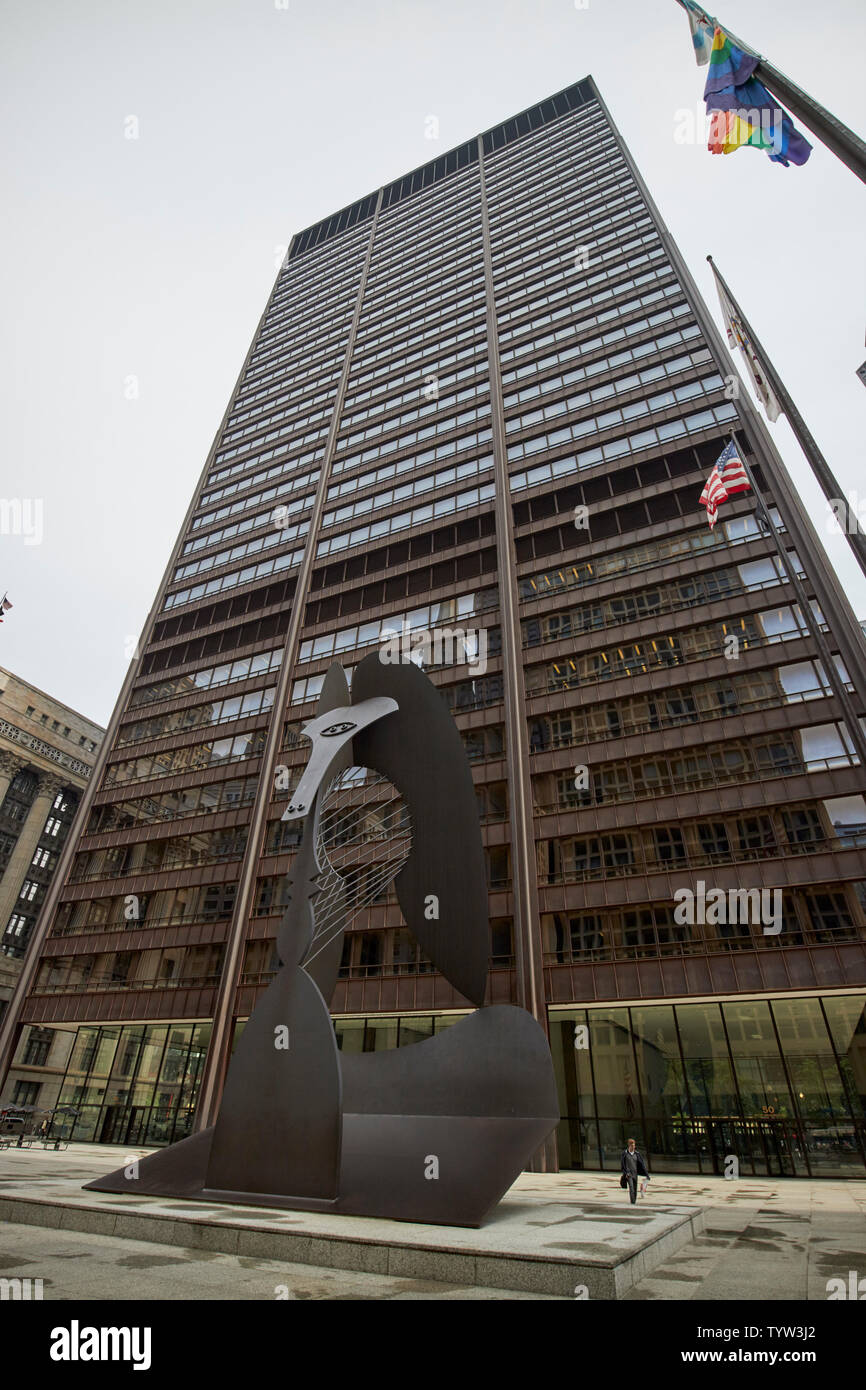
x,y
787,1075
524,867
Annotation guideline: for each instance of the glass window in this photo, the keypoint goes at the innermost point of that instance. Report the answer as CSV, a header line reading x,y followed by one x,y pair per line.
x,y
708,1066
760,1073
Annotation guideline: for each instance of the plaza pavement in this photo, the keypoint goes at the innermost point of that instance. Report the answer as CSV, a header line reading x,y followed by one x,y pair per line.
x,y
764,1239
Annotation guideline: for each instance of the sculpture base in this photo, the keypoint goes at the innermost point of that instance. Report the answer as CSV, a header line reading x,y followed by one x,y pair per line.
x,y
443,1170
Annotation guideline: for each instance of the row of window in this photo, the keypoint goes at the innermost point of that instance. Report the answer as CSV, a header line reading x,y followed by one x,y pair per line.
x,y
439,451
678,706
64,730
738,531
280,534
619,258
321,266
171,761
309,373
638,658
326,304
397,357
210,677
405,299
418,376
237,528
604,193
608,339
575,288
197,716
590,212
605,390
402,227
326,308
710,765
430,389
694,844
211,902
269,396
435,406
269,418
258,456
594,320
291,484
230,581
613,362
470,323
469,309
443,215
595,424
174,967
154,856
210,797
558,171
565,199
324,265
634,443
671,597
817,914
287,439
446,477
515,164
598,215
429,616
445,263
534,247
588,155
306,346
443,506
557,251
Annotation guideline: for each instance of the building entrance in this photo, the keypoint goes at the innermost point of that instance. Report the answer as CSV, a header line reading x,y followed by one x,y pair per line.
x,y
772,1146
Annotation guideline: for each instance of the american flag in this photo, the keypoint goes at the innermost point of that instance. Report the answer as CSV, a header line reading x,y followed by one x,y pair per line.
x,y
727,477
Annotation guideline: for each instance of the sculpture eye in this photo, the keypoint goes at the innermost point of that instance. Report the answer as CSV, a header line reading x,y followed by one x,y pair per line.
x,y
334,729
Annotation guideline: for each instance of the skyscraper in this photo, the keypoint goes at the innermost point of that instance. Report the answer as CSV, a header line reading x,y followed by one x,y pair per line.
x,y
476,419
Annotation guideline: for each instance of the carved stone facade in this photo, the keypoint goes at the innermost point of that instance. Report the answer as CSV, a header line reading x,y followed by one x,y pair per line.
x,y
47,751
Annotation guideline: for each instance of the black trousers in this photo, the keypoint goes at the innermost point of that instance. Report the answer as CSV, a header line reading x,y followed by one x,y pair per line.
x,y
632,1188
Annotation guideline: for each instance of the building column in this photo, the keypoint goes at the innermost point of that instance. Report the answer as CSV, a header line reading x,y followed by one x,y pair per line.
x,y
528,944
28,839
9,766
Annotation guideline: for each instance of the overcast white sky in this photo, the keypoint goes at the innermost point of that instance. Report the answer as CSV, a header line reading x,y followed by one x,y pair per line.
x,y
153,258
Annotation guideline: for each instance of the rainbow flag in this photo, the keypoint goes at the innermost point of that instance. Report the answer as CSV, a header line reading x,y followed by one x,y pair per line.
x,y
743,112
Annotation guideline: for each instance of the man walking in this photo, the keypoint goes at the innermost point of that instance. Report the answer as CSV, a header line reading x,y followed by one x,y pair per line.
x,y
632,1165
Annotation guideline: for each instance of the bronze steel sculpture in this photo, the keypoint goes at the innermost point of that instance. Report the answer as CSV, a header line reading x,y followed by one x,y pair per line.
x,y
434,1132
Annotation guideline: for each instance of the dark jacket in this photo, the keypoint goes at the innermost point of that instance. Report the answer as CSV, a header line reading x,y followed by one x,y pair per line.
x,y
638,1158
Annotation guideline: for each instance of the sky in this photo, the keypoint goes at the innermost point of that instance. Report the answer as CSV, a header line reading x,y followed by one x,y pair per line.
x,y
158,158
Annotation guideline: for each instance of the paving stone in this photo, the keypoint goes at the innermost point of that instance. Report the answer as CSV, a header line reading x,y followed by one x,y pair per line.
x,y
765,1239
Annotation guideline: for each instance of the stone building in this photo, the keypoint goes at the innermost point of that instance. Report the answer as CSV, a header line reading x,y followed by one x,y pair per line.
x,y
47,751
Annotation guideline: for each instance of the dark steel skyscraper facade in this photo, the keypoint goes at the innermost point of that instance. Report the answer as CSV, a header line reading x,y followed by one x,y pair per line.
x,y
484,401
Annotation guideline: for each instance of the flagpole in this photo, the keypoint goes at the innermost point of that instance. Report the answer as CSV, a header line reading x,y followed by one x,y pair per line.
x,y
835,681
820,467
841,141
